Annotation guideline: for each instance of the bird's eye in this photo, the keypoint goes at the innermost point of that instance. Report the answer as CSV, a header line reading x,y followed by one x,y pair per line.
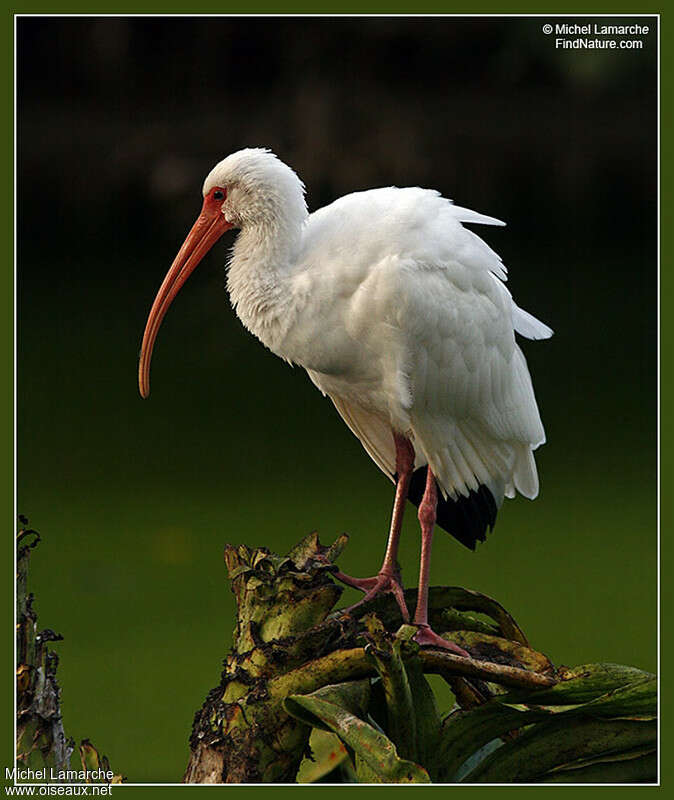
x,y
218,194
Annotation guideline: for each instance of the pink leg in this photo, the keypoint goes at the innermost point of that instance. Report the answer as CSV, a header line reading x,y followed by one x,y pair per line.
x,y
427,515
388,578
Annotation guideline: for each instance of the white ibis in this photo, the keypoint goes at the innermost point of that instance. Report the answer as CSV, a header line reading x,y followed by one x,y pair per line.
x,y
400,315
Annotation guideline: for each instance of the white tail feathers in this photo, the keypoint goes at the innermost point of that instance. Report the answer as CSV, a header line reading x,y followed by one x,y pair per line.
x,y
528,326
467,215
526,475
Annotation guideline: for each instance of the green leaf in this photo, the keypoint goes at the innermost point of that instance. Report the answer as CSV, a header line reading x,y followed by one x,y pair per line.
x,y
638,769
628,755
327,753
443,597
427,719
364,772
352,696
401,718
596,690
465,732
544,747
477,758
581,685
636,701
377,759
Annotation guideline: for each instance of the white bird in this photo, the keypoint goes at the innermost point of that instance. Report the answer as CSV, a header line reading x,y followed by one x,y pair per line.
x,y
400,315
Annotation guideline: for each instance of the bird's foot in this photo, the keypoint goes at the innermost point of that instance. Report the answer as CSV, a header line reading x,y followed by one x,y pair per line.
x,y
379,584
426,636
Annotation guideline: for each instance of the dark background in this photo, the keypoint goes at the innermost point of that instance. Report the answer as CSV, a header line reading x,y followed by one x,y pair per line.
x,y
119,120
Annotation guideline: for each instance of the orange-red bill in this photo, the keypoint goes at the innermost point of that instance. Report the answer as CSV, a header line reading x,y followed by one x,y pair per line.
x,y
208,228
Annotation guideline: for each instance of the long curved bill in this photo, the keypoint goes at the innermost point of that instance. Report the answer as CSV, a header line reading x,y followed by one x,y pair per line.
x,y
208,228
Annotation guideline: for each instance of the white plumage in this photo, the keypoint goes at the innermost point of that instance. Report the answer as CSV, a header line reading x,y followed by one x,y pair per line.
x,y
399,314
396,310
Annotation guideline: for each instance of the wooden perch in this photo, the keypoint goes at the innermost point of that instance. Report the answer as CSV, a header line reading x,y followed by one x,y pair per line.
x,y
309,693
286,644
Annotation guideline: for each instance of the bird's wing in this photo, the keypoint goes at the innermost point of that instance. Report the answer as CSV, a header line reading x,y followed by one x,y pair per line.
x,y
375,435
373,431
474,413
426,306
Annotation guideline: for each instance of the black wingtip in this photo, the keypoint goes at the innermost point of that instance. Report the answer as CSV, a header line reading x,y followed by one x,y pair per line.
x,y
466,518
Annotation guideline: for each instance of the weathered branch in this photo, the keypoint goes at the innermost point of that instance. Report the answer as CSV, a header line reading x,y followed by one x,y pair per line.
x,y
41,743
297,669
242,733
445,663
40,738
286,644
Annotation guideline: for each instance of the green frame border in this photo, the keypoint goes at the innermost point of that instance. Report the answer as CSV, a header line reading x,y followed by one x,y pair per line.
x,y
373,7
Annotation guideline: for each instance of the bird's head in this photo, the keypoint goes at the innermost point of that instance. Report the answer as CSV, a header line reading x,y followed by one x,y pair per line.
x,y
259,189
249,189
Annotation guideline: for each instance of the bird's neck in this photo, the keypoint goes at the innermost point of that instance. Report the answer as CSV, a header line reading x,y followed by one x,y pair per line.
x,y
258,277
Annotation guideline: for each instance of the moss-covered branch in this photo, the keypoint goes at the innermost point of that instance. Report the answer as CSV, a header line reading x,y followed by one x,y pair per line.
x,y
287,642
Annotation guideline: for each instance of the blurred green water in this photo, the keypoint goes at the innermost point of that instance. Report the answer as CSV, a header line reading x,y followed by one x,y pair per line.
x,y
135,499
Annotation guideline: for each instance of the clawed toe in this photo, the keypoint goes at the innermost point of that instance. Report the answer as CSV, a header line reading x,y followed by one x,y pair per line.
x,y
379,584
362,584
426,636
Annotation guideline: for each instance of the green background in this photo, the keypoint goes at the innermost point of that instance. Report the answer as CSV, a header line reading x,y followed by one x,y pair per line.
x,y
118,121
